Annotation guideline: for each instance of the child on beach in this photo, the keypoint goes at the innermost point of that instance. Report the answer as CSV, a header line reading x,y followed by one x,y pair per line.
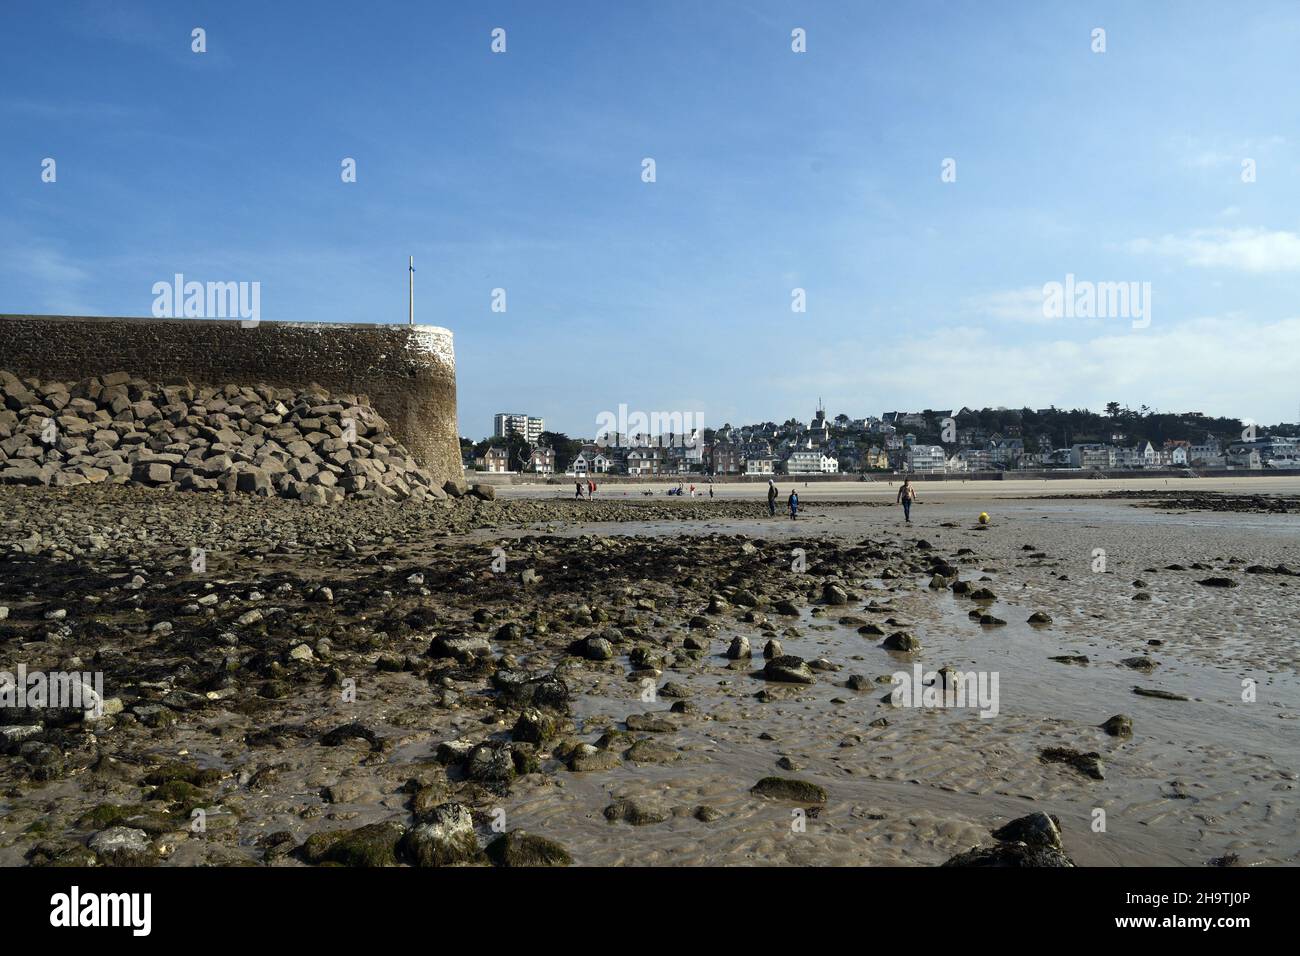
x,y
793,502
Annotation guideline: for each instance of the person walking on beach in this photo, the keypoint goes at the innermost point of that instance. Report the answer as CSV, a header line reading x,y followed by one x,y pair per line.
x,y
793,502
577,489
906,494
771,497
591,489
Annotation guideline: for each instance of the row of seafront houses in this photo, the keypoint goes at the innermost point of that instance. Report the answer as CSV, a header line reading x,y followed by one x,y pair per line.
x,y
732,452
879,445
1274,452
1001,454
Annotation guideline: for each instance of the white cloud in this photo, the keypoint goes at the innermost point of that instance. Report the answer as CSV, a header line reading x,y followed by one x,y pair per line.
x,y
1246,250
1209,159
1225,365
44,265
1198,154
1011,305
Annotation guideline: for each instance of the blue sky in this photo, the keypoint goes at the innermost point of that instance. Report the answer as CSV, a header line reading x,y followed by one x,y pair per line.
x,y
775,170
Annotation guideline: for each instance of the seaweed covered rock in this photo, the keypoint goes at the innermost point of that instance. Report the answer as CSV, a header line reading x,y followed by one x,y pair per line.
x,y
372,845
789,669
518,848
788,788
1028,841
444,838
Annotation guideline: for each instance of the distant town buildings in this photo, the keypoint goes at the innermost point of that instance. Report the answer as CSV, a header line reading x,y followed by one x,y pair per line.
x,y
495,459
530,429
902,442
542,461
925,459
812,462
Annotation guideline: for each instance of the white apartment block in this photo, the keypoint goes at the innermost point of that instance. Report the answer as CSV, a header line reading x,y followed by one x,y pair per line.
x,y
525,426
925,459
1101,457
811,463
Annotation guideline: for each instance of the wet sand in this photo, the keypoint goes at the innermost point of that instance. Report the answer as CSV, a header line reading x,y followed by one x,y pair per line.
x,y
885,488
1201,779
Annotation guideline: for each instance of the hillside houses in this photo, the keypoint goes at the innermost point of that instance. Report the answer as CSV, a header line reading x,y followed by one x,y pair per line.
x,y
900,442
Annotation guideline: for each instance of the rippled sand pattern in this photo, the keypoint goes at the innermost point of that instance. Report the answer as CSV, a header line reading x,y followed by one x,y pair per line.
x,y
1200,779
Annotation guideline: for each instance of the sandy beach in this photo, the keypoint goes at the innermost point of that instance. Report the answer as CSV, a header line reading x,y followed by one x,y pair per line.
x,y
658,726
884,488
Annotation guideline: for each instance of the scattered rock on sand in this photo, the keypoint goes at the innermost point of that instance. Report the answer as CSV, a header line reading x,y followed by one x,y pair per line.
x,y
446,838
373,845
123,846
1088,764
588,759
650,751
635,812
901,641
834,594
1036,829
518,848
789,669
1121,725
1030,841
739,648
1159,694
650,723
463,649
787,788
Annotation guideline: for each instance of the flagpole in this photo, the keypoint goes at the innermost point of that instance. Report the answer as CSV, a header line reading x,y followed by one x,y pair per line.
x,y
411,295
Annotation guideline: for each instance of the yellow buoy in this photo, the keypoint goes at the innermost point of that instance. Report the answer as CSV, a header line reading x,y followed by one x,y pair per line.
x,y
984,517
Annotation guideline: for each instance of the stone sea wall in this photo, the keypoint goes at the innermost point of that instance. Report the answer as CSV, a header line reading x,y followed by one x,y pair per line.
x,y
408,373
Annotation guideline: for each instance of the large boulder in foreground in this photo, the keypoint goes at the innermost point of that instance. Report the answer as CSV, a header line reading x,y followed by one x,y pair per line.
x,y
518,848
1028,841
374,845
445,838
